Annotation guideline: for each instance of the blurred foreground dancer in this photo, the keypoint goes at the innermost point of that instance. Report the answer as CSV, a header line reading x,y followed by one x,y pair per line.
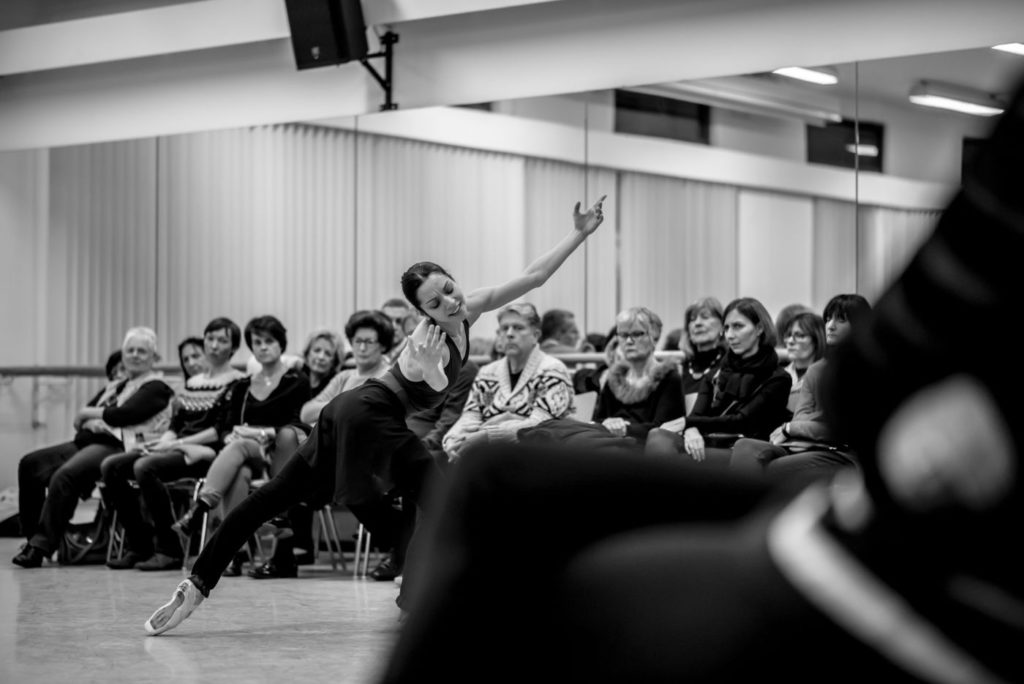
x,y
654,570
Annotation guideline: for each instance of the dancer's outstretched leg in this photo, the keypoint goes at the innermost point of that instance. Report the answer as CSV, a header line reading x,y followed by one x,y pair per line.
x,y
293,484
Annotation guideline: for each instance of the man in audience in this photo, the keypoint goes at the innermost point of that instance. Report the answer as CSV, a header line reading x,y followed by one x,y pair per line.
x,y
523,389
398,312
558,332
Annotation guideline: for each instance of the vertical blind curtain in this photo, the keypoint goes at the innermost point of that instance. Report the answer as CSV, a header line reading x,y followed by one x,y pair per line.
x,y
586,283
834,269
101,260
257,221
677,243
887,239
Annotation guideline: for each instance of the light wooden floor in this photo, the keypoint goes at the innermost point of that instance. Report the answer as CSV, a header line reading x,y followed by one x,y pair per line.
x,y
84,624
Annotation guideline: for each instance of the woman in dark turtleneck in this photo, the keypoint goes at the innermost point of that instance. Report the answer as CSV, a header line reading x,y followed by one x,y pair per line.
x,y
703,343
746,396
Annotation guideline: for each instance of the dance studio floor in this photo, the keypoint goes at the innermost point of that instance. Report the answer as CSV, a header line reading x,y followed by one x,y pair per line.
x,y
84,624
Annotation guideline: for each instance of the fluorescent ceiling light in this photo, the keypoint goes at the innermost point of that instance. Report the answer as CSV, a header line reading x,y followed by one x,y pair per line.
x,y
752,96
818,75
956,98
1015,48
863,150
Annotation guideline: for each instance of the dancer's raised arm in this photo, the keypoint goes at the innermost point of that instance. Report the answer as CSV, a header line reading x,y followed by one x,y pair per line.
x,y
537,273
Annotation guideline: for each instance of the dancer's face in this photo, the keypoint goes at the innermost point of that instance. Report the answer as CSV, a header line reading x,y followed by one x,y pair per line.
x,y
441,298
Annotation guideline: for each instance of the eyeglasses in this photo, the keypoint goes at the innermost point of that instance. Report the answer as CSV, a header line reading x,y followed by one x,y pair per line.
x,y
360,342
798,336
635,335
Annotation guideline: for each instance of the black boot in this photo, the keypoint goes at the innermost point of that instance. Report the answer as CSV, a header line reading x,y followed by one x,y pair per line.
x,y
192,522
29,557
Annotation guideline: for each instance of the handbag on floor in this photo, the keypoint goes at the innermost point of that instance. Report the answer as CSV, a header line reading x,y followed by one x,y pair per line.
x,y
86,543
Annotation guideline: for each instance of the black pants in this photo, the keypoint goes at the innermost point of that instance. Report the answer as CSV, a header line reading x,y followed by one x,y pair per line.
x,y
147,534
581,566
50,482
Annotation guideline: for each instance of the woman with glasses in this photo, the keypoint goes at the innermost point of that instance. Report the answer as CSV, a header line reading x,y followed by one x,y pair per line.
x,y
745,397
804,445
804,338
361,438
640,392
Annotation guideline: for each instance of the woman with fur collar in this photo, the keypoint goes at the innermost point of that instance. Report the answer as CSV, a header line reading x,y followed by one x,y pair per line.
x,y
523,389
641,392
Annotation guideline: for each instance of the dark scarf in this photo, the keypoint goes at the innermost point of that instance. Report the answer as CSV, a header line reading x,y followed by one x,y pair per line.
x,y
636,391
739,378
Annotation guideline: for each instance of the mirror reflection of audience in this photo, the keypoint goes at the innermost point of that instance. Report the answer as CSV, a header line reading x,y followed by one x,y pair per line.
x,y
702,341
558,332
184,450
256,408
641,392
805,444
805,344
191,357
524,389
133,410
746,397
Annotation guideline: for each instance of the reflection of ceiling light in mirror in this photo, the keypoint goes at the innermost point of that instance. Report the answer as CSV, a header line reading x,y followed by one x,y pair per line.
x,y
863,150
818,75
1015,48
955,98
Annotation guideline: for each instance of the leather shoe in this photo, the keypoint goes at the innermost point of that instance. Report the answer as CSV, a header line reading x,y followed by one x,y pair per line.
x,y
29,557
127,561
160,561
387,570
271,570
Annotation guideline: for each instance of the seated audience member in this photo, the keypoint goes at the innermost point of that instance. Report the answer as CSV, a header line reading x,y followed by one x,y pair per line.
x,y
184,450
371,335
558,332
641,392
745,397
804,444
905,573
592,377
256,408
786,314
596,341
673,340
191,358
322,358
805,344
399,312
525,388
135,409
703,345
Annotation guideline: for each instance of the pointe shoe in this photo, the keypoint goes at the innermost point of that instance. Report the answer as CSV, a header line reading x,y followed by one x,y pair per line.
x,y
168,616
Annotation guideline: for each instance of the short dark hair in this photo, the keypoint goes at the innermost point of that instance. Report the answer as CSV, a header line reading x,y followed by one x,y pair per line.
x,y
811,324
847,307
754,311
554,322
415,276
266,325
190,340
113,361
222,323
375,320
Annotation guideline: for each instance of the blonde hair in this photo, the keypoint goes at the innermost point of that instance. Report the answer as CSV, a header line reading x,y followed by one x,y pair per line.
x,y
644,317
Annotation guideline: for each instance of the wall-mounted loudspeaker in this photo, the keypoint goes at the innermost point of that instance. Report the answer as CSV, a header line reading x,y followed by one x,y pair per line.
x,y
326,32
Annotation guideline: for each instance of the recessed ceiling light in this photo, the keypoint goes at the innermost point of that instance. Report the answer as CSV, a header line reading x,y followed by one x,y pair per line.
x,y
817,75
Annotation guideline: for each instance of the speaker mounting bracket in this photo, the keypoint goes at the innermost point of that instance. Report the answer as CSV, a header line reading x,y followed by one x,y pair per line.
x,y
388,40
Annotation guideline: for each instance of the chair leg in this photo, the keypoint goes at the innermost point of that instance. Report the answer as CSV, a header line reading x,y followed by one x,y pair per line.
x,y
335,538
363,541
115,547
